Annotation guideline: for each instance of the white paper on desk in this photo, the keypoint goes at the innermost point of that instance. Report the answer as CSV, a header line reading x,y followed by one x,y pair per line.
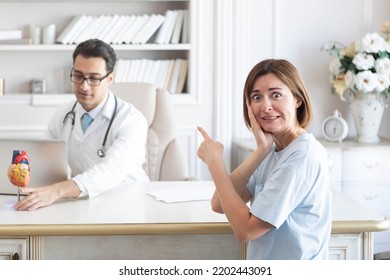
x,y
183,194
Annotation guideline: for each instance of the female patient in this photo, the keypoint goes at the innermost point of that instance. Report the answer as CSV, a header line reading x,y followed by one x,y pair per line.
x,y
286,178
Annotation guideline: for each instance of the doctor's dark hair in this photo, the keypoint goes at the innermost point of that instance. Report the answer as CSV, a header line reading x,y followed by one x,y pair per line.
x,y
96,48
289,75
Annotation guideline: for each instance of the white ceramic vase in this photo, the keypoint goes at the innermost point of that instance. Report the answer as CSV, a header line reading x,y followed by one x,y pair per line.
x,y
367,110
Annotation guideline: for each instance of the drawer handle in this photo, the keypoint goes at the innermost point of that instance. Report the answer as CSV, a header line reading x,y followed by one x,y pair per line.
x,y
370,197
15,256
369,166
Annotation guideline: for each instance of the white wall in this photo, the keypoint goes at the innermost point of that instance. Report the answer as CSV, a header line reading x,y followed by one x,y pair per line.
x,y
295,30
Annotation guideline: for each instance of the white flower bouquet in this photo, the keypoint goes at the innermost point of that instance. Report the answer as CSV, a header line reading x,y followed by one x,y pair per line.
x,y
363,67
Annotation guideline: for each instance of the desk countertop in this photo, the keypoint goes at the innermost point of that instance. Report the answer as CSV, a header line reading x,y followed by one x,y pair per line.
x,y
128,209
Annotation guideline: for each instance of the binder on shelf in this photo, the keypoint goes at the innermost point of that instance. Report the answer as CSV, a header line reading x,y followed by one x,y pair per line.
x,y
155,66
168,76
147,76
102,21
119,71
177,27
152,31
116,28
184,31
108,28
127,29
128,65
147,31
182,76
165,33
171,26
80,29
141,71
86,33
70,28
175,76
134,69
138,35
162,73
119,37
137,25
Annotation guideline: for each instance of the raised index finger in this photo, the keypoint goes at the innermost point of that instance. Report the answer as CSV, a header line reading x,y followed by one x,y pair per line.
x,y
204,133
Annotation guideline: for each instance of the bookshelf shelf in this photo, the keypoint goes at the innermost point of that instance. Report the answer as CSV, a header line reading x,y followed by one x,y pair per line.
x,y
36,99
60,47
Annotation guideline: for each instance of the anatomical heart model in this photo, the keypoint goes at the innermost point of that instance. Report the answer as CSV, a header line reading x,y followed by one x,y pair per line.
x,y
19,170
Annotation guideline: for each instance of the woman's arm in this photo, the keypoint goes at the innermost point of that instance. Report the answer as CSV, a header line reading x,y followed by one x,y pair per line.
x,y
227,197
239,178
241,175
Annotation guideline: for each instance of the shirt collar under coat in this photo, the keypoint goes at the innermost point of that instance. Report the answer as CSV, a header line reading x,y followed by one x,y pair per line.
x,y
106,108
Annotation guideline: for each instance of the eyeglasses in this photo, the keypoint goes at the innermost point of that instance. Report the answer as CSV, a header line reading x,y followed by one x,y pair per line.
x,y
79,79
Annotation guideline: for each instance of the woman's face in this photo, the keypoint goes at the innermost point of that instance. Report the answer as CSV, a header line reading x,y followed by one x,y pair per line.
x,y
274,105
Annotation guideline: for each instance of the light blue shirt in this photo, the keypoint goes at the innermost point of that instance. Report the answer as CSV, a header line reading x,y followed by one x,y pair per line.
x,y
290,190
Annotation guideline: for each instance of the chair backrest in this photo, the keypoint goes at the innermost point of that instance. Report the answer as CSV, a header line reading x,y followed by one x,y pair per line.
x,y
165,159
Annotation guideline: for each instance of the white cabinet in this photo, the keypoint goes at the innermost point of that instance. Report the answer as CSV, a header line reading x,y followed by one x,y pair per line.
x,y
345,247
365,177
142,247
14,248
335,167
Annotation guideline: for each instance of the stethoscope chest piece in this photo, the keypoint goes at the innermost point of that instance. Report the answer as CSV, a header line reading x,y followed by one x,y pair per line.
x,y
101,152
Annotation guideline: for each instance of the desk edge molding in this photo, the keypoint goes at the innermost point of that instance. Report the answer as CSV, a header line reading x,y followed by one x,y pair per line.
x,y
360,226
115,229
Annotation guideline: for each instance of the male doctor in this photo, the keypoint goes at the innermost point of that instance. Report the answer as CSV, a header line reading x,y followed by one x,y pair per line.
x,y
105,148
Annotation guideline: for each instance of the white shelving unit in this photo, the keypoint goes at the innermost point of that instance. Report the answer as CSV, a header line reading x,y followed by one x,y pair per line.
x,y
23,114
22,63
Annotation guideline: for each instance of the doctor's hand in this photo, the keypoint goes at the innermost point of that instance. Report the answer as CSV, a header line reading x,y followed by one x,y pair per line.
x,y
209,150
42,196
36,198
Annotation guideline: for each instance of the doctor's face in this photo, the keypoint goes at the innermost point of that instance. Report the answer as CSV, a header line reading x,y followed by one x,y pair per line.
x,y
89,93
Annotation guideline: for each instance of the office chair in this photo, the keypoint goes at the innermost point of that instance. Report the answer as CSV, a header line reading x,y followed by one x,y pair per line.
x,y
165,159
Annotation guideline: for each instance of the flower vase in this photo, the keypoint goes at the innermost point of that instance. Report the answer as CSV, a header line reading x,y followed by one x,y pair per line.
x,y
367,110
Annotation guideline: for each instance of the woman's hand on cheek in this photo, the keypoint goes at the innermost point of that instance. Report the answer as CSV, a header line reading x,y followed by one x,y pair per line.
x,y
263,139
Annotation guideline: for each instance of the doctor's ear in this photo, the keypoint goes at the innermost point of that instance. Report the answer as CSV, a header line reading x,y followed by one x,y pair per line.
x,y
110,78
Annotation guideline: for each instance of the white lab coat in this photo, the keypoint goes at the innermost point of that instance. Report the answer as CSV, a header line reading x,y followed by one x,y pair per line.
x,y
125,145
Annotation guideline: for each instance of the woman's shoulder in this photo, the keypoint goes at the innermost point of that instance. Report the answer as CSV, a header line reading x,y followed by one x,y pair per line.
x,y
306,140
306,145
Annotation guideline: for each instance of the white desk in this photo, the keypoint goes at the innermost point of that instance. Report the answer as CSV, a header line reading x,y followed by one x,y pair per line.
x,y
126,205
128,223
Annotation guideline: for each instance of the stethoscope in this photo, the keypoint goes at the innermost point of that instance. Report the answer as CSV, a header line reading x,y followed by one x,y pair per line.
x,y
72,114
